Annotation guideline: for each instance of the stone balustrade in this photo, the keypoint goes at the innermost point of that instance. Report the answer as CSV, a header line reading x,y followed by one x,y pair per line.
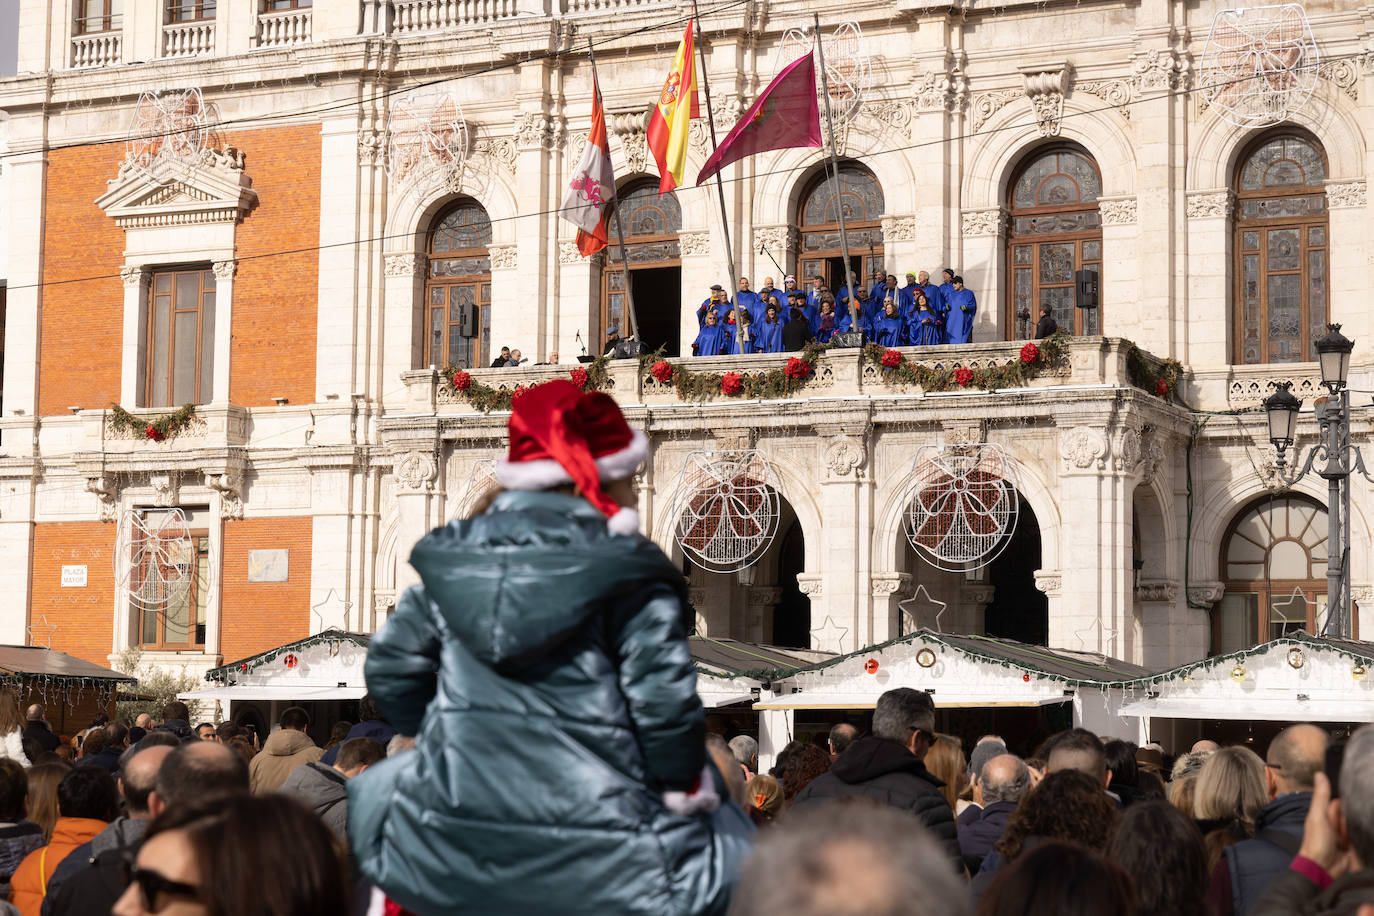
x,y
415,16
101,49
284,28
1091,362
188,39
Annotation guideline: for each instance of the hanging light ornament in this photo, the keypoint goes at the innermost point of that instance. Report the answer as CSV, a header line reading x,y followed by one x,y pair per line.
x,y
963,506
871,666
1238,673
156,558
427,140
925,658
847,66
1259,66
729,509
169,131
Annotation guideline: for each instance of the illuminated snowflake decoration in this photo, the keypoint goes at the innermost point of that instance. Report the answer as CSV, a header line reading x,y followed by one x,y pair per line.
x,y
963,506
170,129
847,68
481,481
161,559
427,141
729,509
1260,64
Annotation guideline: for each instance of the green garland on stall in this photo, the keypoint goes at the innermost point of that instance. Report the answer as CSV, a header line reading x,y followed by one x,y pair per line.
x,y
225,673
1161,381
459,383
765,384
165,426
1049,354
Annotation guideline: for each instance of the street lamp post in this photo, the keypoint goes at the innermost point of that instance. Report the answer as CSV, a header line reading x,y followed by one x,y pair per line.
x,y
1333,418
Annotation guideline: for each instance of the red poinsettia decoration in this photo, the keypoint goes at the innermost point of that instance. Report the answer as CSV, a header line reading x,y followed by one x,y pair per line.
x,y
462,381
662,370
797,368
1030,353
731,383
892,358
152,432
1162,388
580,377
518,393
964,376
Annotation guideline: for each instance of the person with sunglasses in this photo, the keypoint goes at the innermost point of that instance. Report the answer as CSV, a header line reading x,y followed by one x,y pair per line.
x,y
239,855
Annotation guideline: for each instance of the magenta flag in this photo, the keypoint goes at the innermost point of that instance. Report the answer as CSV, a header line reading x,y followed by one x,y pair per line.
x,y
784,116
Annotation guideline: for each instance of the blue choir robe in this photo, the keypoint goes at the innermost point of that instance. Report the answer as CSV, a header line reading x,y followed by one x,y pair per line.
x,y
888,331
749,300
906,298
769,291
879,291
768,336
927,330
721,308
734,346
711,340
934,297
813,296
826,326
963,307
946,290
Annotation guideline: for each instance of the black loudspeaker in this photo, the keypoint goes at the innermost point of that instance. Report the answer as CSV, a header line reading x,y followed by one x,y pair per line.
x,y
629,348
1085,289
467,320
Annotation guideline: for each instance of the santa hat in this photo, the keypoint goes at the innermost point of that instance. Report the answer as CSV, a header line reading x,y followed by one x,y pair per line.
x,y
561,435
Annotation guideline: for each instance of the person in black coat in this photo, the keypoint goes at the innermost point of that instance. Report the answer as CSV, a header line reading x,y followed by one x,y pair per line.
x,y
888,765
1046,325
1004,781
796,334
37,728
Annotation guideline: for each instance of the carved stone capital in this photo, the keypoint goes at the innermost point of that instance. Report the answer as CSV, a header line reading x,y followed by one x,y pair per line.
x,y
503,257
415,472
568,253
1082,448
1342,195
899,229
106,490
371,147
974,593
809,584
225,270
1158,70
408,264
166,487
764,596
992,221
230,490
888,584
533,130
1206,592
133,276
1049,581
1045,86
844,456
1119,211
1209,204
694,244
1165,590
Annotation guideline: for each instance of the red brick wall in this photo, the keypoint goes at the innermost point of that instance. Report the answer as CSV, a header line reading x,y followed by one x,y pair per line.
x,y
83,617
256,616
273,347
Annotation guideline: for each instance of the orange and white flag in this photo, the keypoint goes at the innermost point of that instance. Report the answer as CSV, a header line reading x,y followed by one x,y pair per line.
x,y
672,116
592,187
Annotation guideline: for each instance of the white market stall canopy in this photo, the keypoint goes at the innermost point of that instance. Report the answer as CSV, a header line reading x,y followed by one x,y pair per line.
x,y
1296,678
957,671
325,666
730,671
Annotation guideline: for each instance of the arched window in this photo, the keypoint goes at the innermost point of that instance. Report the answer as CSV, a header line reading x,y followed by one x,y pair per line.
x,y
1280,245
651,225
861,198
1056,228
458,288
1274,564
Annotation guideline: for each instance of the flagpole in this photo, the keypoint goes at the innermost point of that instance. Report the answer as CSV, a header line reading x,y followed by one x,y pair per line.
x,y
835,168
720,186
619,229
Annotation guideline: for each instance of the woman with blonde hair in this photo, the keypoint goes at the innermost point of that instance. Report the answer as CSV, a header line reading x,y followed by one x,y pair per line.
x,y
946,762
1228,793
12,727
41,801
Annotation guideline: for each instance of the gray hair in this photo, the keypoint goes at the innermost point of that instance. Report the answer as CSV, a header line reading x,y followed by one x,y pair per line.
x,y
900,712
399,744
745,749
849,859
1008,790
1357,793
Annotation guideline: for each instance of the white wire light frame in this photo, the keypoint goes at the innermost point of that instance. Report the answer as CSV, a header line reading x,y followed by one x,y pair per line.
x,y
481,481
727,509
1259,65
963,506
847,67
169,131
155,558
428,140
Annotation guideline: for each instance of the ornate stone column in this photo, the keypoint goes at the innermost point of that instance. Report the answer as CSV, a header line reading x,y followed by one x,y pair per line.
x,y
888,589
985,238
132,364
844,537
419,495
1205,326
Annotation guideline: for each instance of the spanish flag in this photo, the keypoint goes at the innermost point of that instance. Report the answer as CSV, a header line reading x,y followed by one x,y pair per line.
x,y
667,132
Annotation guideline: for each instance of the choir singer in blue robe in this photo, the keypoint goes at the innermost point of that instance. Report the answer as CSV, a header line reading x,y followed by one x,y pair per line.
x,y
768,332
888,328
926,329
963,307
906,296
739,340
711,339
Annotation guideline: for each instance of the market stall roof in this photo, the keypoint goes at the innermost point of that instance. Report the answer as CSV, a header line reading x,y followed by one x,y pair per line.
x,y
957,670
1295,678
38,662
323,666
733,658
332,640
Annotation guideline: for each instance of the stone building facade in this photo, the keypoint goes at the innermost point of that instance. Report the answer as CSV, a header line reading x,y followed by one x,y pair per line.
x,y
317,275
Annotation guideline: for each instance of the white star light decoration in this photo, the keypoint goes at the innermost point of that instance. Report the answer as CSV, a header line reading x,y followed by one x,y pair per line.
x,y
332,612
829,634
45,628
911,609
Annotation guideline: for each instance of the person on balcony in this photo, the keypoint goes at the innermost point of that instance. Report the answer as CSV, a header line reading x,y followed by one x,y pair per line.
x,y
1046,325
711,339
796,334
963,308
768,332
906,296
747,298
717,301
888,328
925,328
932,294
737,327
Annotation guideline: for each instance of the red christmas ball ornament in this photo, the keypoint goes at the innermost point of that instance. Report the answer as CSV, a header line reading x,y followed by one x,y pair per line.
x,y
892,358
964,376
871,665
462,381
662,370
291,660
243,666
1026,678
1030,353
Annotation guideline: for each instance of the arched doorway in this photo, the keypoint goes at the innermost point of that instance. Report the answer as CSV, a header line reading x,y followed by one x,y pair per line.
x,y
822,255
1273,561
1018,609
1056,228
792,614
458,287
1280,249
651,224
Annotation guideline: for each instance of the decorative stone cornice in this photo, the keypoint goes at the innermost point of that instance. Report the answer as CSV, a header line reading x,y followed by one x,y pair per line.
x,y
1116,93
213,188
1209,204
1049,581
1117,211
406,264
1346,194
987,104
992,221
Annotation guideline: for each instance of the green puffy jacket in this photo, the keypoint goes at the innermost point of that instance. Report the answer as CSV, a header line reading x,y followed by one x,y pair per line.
x,y
543,666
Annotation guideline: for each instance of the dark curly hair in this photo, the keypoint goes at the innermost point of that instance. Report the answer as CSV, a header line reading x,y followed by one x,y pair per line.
x,y
801,768
1161,849
1067,805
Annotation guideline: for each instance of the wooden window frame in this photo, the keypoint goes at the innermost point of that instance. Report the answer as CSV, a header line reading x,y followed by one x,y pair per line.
x,y
200,546
866,242
201,10
109,19
205,284
1303,225
480,282
281,6
635,244
1077,239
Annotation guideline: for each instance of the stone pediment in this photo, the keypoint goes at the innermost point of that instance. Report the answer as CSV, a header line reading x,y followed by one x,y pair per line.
x,y
212,188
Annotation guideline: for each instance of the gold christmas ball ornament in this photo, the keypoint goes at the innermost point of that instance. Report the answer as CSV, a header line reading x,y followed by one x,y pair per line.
x,y
1239,673
1295,658
1358,672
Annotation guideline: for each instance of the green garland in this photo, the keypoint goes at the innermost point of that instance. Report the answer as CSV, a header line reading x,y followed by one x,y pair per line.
x,y
166,426
487,398
331,637
1052,353
1148,377
765,384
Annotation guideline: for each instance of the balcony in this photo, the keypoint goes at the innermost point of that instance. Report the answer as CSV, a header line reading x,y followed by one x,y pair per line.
x,y
575,7
415,16
1091,362
188,39
284,28
98,49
